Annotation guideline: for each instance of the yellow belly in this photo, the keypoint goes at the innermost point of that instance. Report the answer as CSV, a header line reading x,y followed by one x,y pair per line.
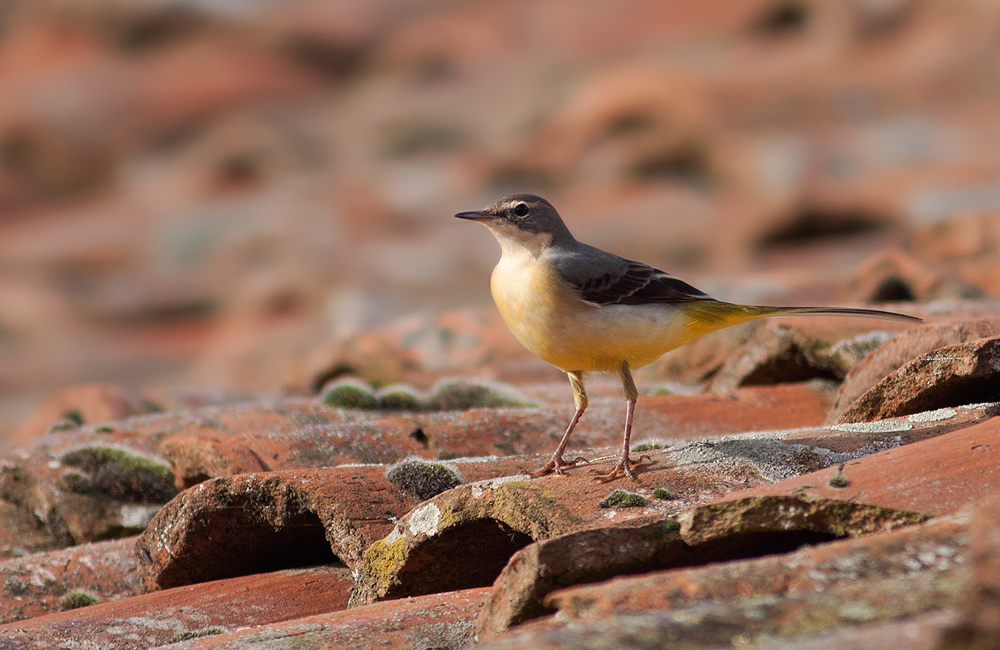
x,y
549,319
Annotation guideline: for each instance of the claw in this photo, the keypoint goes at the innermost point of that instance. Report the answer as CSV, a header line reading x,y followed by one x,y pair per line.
x,y
623,467
557,466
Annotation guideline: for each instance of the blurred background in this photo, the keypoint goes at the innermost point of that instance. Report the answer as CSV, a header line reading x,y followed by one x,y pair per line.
x,y
204,193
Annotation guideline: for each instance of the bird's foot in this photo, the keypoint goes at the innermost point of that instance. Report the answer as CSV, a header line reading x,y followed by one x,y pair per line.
x,y
557,465
623,467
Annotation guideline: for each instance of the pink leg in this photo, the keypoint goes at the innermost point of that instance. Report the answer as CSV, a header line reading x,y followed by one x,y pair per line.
x,y
557,464
624,465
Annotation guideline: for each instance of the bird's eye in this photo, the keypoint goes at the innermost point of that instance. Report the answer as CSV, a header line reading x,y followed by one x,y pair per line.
x,y
521,210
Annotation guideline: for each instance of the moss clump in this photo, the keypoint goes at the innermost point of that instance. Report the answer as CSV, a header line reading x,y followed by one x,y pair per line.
x,y
663,390
74,481
121,474
668,526
463,394
400,397
422,479
63,424
663,494
196,634
69,420
350,394
73,416
649,445
104,429
76,600
15,586
839,481
623,499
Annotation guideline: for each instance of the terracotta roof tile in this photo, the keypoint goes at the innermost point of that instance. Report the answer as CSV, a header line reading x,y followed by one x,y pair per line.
x,y
939,547
434,621
34,584
937,476
904,348
163,617
949,376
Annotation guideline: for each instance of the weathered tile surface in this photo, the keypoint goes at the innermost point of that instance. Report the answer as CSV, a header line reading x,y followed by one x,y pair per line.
x,y
162,617
436,621
938,475
950,376
254,523
978,620
904,348
219,207
703,535
35,584
938,548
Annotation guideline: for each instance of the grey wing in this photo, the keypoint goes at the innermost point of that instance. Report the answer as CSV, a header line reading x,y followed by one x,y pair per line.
x,y
602,278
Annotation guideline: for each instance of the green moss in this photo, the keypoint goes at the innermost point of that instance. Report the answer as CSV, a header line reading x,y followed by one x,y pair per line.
x,y
15,586
350,394
649,445
400,397
422,479
663,494
668,526
104,429
63,424
463,394
73,481
196,634
76,600
123,474
73,416
623,499
663,390
839,481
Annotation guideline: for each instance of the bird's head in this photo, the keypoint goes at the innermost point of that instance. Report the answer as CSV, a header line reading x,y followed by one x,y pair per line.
x,y
523,220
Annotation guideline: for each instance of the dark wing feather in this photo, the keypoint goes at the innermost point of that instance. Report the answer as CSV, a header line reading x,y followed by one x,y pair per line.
x,y
604,279
662,288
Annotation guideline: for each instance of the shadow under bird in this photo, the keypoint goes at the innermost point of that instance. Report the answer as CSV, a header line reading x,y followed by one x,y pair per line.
x,y
585,310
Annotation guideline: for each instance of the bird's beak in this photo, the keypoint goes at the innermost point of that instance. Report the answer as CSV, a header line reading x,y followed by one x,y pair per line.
x,y
476,215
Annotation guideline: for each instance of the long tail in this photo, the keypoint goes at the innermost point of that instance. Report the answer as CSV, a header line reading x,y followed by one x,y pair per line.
x,y
764,312
715,314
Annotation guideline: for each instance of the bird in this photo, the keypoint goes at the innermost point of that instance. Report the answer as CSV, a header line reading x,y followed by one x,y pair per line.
x,y
584,310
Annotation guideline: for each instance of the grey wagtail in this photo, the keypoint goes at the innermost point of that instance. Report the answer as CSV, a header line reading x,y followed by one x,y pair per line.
x,y
584,310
